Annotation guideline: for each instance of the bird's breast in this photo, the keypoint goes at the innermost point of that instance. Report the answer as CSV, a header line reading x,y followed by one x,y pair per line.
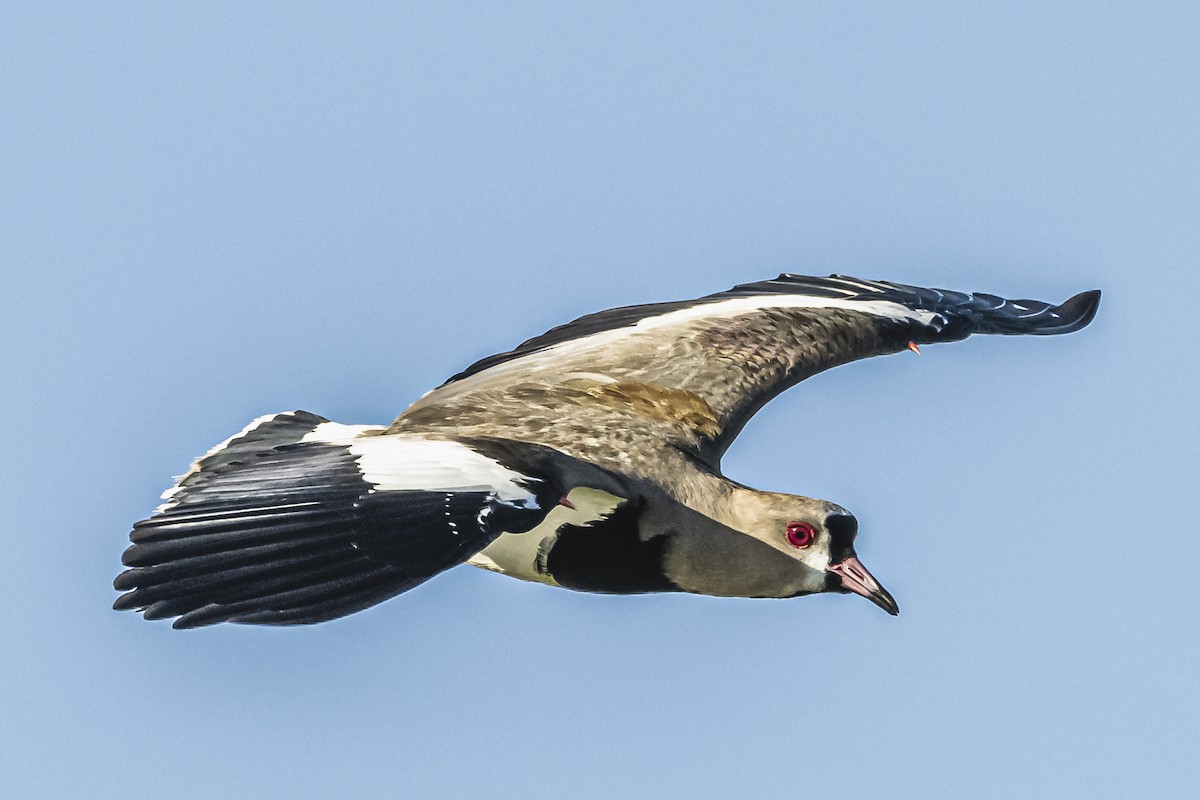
x,y
525,555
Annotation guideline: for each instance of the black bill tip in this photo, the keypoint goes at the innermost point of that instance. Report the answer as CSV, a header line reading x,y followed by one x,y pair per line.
x,y
849,575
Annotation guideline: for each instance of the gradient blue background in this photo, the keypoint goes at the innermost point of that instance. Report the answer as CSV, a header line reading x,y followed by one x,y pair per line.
x,y
213,211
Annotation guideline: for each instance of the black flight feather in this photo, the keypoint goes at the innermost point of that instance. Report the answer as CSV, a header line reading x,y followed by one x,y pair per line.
x,y
296,534
958,314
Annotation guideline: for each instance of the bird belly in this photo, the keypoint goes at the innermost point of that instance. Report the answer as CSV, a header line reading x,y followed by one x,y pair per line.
x,y
523,555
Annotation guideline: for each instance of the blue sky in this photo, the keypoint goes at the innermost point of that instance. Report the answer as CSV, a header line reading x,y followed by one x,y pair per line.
x,y
217,211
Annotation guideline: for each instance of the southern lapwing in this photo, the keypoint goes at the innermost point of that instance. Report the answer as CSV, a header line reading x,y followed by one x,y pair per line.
x,y
588,457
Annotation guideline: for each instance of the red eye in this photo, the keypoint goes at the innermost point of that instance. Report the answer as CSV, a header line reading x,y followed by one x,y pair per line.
x,y
800,534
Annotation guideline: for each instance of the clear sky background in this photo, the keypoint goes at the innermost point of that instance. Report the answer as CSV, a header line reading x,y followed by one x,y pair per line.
x,y
214,211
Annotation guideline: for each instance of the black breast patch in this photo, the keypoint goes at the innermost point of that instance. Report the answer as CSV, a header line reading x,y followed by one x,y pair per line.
x,y
609,557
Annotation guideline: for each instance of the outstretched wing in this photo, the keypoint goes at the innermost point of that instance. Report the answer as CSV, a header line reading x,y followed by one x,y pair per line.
x,y
692,373
298,519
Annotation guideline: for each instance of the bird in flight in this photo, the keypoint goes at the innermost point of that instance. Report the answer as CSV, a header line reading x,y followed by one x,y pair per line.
x,y
588,458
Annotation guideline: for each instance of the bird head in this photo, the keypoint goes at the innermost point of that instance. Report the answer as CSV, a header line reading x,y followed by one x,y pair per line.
x,y
818,534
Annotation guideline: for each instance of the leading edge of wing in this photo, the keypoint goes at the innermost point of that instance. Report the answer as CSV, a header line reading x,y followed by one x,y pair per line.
x,y
946,314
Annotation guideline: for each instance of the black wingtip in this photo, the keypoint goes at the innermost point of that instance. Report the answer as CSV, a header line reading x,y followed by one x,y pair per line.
x,y
123,603
990,314
1079,311
200,618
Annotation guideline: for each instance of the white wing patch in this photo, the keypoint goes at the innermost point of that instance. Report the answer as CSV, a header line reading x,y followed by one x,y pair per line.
x,y
337,433
743,305
400,462
397,463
